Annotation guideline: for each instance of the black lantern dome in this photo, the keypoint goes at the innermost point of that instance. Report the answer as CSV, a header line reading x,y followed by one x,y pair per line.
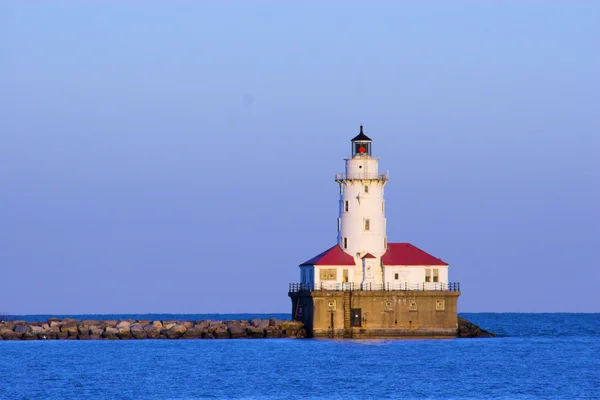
x,y
361,144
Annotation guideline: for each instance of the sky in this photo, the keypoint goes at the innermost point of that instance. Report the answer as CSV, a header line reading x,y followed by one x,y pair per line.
x,y
179,157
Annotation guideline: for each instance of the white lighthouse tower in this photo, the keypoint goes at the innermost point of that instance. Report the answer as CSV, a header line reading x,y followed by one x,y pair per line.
x,y
361,222
362,258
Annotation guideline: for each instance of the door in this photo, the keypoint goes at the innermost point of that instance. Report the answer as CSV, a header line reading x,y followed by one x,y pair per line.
x,y
356,317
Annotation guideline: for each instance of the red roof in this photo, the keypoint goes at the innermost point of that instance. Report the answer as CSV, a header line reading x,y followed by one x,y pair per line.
x,y
332,256
407,254
369,255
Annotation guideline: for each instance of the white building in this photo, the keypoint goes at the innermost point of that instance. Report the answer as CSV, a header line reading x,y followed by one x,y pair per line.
x,y
362,257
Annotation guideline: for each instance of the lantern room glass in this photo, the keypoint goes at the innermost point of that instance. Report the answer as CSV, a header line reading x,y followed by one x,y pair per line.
x,y
361,148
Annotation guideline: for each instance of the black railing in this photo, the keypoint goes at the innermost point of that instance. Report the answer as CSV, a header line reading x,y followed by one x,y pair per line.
x,y
368,287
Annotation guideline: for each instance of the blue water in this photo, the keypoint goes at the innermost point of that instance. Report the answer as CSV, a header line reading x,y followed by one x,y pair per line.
x,y
537,356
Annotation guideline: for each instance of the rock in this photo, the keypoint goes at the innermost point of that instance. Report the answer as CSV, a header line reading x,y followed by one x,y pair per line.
x,y
62,335
123,325
53,319
21,329
192,333
295,325
8,334
272,332
37,330
301,334
259,323
29,336
206,334
19,322
221,333
96,332
187,324
55,324
152,330
254,332
237,331
110,333
70,328
84,336
273,322
467,329
137,331
48,335
83,330
46,327
111,323
175,332
168,324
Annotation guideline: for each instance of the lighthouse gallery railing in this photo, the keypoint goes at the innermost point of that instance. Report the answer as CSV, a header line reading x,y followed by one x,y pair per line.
x,y
359,176
351,286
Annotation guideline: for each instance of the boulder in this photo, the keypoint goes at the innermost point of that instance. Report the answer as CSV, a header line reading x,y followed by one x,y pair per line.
x,y
83,329
221,333
19,322
192,333
175,332
123,325
62,335
295,325
152,330
96,332
110,333
272,332
55,324
48,335
46,327
237,331
70,328
259,323
467,329
110,323
206,334
137,331
187,324
274,322
9,334
22,329
169,324
254,332
37,329
29,336
301,334
84,336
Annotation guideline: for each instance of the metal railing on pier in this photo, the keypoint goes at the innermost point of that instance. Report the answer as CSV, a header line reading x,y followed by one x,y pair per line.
x,y
366,287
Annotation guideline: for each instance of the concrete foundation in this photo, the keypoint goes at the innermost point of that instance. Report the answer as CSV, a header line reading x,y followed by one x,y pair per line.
x,y
377,314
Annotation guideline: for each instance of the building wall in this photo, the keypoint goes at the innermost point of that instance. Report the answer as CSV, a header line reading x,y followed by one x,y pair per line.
x,y
413,274
383,313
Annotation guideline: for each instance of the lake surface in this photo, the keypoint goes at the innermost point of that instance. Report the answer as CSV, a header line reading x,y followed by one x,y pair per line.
x,y
536,356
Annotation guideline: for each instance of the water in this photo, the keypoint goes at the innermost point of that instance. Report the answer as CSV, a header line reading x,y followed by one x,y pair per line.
x,y
537,356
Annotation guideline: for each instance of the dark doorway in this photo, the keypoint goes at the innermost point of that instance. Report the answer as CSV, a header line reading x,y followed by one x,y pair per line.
x,y
356,317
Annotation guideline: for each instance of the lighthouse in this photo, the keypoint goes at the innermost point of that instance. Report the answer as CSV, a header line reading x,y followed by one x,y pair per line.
x,y
364,286
361,221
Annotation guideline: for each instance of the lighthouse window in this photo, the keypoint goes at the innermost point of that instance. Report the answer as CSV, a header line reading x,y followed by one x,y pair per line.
x,y
367,224
436,275
366,189
428,275
346,206
339,224
396,276
345,243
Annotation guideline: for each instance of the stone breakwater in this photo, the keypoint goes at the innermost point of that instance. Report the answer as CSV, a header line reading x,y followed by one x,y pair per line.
x,y
72,329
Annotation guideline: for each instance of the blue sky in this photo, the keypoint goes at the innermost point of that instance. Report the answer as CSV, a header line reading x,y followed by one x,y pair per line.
x,y
137,177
